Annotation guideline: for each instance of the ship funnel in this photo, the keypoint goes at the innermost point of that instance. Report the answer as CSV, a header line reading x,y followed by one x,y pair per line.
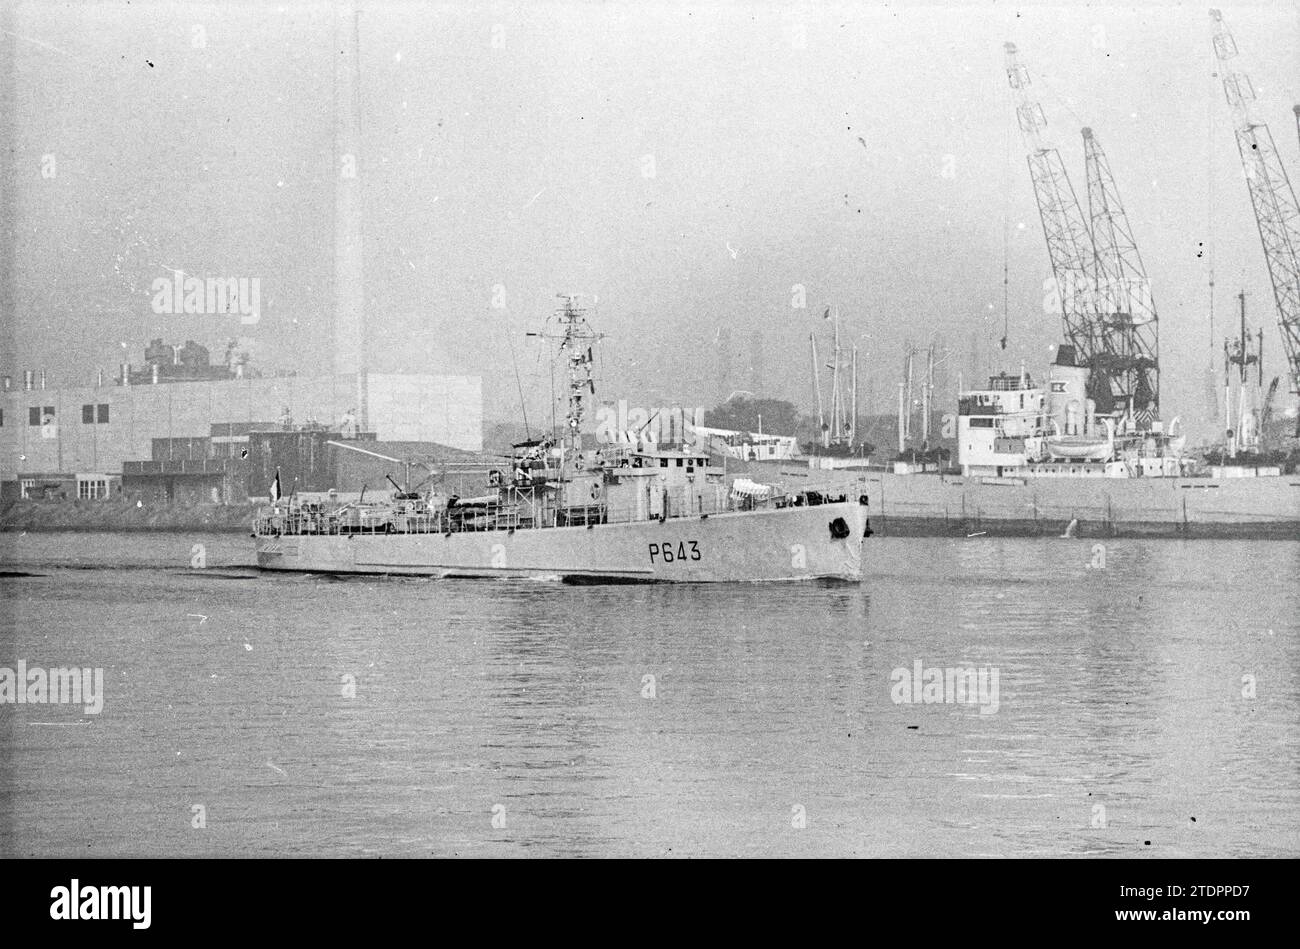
x,y
1070,418
1067,385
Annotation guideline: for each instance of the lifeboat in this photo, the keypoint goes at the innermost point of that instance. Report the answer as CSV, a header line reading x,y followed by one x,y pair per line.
x,y
1083,447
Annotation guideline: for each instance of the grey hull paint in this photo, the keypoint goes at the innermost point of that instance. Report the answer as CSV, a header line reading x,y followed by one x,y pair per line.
x,y
794,543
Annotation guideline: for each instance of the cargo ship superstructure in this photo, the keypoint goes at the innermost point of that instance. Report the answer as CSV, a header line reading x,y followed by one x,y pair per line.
x,y
1015,428
634,511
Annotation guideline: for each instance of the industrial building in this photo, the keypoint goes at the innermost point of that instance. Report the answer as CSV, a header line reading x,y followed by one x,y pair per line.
x,y
239,462
78,442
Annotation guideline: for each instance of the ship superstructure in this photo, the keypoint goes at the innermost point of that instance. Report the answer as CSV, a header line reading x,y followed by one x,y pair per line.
x,y
1015,427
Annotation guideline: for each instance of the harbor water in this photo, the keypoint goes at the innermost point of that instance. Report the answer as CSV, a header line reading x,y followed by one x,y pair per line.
x,y
1126,706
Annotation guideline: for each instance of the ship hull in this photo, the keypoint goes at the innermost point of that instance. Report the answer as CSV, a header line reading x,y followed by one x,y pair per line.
x,y
956,505
794,543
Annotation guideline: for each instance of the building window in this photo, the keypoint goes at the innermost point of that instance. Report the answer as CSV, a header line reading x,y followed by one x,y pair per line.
x,y
92,489
34,415
92,414
26,487
2,418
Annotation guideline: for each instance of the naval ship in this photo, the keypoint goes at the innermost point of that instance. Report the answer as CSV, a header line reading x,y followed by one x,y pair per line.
x,y
635,511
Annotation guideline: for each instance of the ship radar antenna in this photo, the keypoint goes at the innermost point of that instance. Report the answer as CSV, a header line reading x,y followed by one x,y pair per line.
x,y
576,342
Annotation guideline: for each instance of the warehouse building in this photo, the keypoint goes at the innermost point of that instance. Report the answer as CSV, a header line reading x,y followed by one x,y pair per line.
x,y
75,442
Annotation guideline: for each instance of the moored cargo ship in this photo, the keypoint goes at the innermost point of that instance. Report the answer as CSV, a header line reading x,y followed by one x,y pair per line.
x,y
1038,460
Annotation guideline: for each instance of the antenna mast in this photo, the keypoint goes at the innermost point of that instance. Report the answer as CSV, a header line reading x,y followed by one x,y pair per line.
x,y
817,384
576,338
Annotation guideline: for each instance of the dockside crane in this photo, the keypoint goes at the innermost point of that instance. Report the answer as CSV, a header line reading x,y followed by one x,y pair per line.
x,y
1277,214
1069,241
1107,308
1128,328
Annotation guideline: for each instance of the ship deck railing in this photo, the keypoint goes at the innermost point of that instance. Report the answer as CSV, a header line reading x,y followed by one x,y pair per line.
x,y
681,505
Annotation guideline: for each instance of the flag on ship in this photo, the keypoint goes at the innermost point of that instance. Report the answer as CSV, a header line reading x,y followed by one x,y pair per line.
x,y
275,487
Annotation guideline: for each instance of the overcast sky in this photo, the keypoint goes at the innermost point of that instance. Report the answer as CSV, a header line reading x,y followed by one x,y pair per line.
x,y
864,152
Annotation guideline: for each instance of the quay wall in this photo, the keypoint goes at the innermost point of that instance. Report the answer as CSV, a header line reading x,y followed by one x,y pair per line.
x,y
947,504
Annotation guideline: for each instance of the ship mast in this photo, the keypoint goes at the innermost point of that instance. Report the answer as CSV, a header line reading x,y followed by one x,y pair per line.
x,y
576,338
1239,354
853,418
837,402
927,395
576,346
817,385
837,431
907,424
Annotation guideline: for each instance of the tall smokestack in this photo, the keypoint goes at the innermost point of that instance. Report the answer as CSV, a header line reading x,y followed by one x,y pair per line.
x,y
723,343
8,181
349,292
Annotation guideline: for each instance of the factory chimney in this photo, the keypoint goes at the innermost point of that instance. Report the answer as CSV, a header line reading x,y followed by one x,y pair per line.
x,y
349,291
9,30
